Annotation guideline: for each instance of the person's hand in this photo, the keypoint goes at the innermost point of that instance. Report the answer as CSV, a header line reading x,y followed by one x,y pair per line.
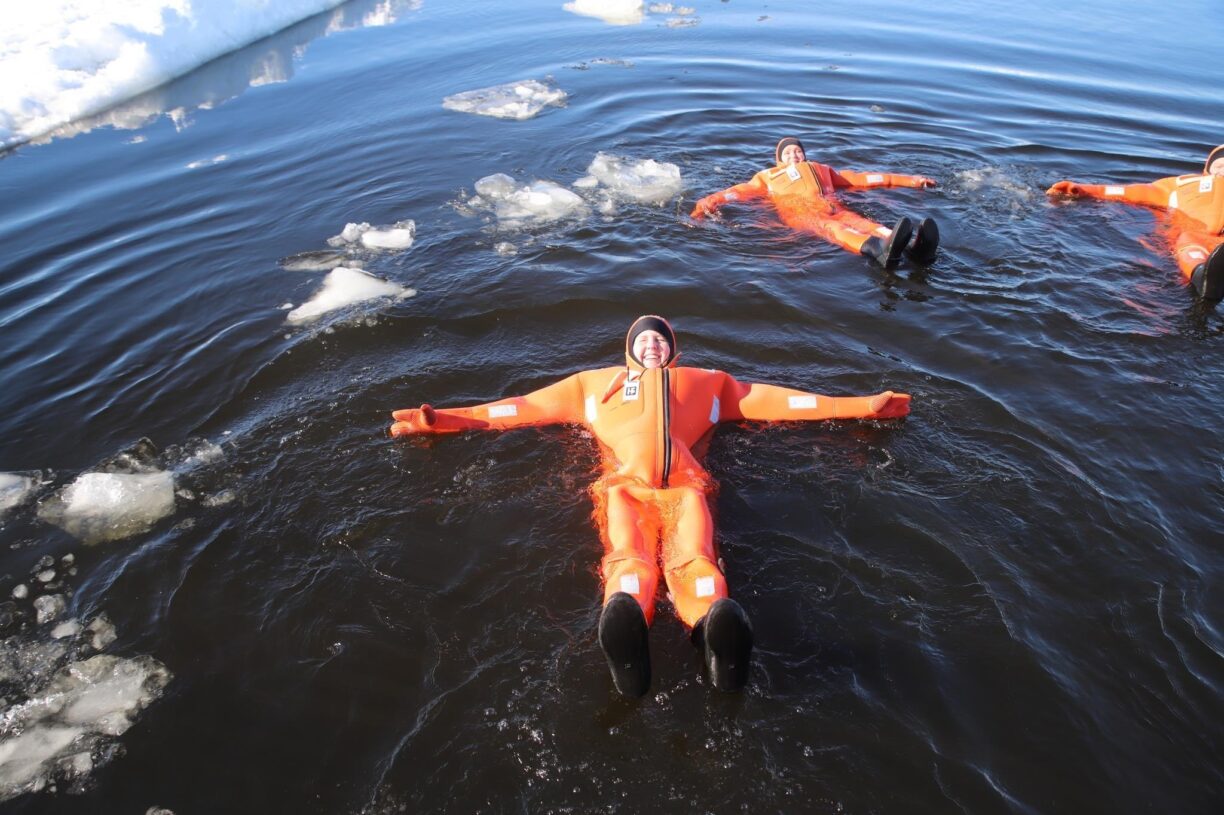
x,y
889,405
704,208
413,420
1066,188
922,182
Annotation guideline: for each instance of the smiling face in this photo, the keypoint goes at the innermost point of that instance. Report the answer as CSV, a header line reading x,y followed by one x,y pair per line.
x,y
652,348
793,154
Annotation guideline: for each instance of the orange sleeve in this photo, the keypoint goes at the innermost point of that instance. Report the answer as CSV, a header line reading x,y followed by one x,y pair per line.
x,y
772,403
849,178
558,403
749,190
1155,194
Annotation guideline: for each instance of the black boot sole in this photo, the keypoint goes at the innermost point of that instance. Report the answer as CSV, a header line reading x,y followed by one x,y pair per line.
x,y
623,636
1208,279
925,244
727,644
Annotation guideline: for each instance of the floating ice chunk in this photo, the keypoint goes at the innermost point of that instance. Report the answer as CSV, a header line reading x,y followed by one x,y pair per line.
x,y
14,489
397,236
101,507
587,182
613,12
84,705
646,181
343,287
68,628
103,632
518,206
321,261
21,591
514,100
49,607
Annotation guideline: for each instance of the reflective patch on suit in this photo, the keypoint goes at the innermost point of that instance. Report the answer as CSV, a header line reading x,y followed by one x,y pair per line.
x,y
714,411
875,178
498,411
801,402
629,584
792,173
1173,200
1205,184
730,196
705,586
1114,190
591,414
632,389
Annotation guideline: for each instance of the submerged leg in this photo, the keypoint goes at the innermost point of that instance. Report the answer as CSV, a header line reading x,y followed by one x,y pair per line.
x,y
926,242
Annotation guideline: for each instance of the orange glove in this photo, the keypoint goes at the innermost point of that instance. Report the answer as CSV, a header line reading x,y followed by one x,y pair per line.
x,y
707,206
1066,188
415,420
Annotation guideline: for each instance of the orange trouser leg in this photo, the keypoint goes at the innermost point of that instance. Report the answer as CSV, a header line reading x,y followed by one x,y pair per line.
x,y
1191,248
631,538
690,564
847,229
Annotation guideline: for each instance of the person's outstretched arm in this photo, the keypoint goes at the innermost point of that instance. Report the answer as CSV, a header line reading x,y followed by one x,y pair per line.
x,y
849,178
759,402
558,403
1155,194
747,191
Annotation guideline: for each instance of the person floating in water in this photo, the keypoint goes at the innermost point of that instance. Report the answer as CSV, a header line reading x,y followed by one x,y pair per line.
x,y
1195,204
800,191
651,500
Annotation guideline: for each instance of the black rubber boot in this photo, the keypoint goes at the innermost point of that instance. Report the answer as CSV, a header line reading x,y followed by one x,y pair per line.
x,y
887,253
724,636
1208,278
926,242
623,638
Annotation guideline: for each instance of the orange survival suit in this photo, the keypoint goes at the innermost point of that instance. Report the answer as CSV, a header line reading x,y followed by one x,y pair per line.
x,y
800,194
1195,204
653,489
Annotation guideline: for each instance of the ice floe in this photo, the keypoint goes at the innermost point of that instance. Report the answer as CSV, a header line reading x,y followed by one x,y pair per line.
x,y
514,100
518,205
64,61
107,506
613,12
343,287
399,235
646,181
15,488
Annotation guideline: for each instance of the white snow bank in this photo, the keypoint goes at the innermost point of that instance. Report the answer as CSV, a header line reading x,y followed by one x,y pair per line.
x,y
345,286
514,100
613,12
646,181
521,205
64,60
399,235
99,507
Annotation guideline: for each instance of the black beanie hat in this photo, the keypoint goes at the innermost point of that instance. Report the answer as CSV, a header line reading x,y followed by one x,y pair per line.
x,y
650,322
1212,156
783,144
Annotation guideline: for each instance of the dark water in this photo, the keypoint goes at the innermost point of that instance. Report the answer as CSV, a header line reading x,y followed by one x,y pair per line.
x,y
1007,603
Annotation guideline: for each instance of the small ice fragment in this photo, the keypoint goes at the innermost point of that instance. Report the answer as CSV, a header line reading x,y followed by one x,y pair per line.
x,y
21,591
612,12
49,607
344,287
14,489
399,236
103,632
321,261
46,575
68,628
586,182
514,100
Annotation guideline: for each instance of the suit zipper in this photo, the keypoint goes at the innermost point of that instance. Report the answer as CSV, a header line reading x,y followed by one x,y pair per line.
x,y
667,444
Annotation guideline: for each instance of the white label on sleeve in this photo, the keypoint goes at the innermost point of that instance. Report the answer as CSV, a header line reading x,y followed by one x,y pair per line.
x,y
730,196
1113,190
875,178
792,172
590,410
499,411
705,586
1205,184
1173,200
801,402
629,584
714,411
631,391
